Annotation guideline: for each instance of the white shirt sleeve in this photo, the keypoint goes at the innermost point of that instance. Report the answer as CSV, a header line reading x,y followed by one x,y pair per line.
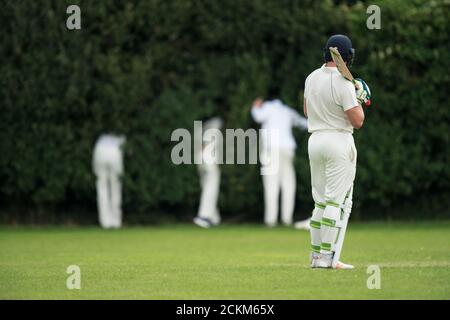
x,y
306,89
260,114
348,96
298,120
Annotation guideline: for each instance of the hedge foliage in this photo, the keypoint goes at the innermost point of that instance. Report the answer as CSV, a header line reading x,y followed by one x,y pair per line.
x,y
145,68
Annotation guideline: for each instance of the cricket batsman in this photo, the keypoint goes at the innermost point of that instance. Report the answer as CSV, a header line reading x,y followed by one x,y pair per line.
x,y
333,106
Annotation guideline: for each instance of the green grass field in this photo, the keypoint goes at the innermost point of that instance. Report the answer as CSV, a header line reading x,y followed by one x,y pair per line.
x,y
229,262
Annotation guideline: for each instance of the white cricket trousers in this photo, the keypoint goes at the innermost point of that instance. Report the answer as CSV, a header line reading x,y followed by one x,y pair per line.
x,y
332,157
108,167
282,178
210,183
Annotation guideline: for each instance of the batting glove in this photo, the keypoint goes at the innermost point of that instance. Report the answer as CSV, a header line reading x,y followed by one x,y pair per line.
x,y
362,92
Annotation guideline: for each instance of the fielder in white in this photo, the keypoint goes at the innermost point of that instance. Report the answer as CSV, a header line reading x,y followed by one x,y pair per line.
x,y
108,167
333,109
209,173
278,147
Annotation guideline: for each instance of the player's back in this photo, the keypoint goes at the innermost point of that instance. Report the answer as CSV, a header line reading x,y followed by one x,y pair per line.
x,y
279,116
109,140
328,95
278,119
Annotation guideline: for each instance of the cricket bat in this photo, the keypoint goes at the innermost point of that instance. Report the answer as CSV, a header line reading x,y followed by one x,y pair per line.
x,y
342,67
340,64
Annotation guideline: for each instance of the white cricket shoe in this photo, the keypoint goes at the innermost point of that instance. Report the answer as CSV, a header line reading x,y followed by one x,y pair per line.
x,y
326,261
341,265
313,259
203,222
302,225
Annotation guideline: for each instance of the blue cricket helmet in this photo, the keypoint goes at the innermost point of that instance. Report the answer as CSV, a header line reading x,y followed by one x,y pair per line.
x,y
344,45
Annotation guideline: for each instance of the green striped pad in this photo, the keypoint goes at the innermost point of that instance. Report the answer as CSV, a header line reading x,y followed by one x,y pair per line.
x,y
333,204
315,248
325,246
314,224
320,205
328,222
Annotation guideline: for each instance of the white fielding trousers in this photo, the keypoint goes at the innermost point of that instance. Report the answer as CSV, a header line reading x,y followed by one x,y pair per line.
x,y
279,178
108,167
210,183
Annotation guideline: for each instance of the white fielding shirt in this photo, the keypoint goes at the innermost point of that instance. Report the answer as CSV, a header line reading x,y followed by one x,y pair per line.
x,y
275,117
328,95
110,140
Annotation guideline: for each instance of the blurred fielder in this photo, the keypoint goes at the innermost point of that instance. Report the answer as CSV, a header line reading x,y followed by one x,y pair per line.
x,y
333,109
108,167
277,120
209,173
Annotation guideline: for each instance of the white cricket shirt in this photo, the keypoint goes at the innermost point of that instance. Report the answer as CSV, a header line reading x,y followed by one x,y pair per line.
x,y
328,94
110,140
278,119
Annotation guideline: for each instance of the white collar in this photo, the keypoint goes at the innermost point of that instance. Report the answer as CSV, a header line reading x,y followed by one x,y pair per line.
x,y
329,69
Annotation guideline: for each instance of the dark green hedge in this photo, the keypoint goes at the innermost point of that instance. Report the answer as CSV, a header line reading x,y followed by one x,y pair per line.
x,y
145,68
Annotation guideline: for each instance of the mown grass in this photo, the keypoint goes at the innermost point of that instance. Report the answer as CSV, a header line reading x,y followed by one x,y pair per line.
x,y
228,262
